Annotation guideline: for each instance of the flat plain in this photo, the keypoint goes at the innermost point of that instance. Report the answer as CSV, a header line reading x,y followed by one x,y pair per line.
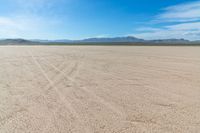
x,y
99,89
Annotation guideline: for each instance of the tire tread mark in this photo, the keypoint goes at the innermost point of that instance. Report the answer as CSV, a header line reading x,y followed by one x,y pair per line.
x,y
62,98
101,100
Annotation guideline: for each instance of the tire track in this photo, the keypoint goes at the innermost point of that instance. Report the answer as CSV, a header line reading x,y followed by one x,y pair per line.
x,y
101,100
57,76
13,115
53,118
62,98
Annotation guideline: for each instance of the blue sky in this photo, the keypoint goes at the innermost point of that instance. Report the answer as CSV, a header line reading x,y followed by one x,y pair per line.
x,y
77,19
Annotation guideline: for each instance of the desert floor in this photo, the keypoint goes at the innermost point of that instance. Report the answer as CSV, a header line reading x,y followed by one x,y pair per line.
x,y
99,89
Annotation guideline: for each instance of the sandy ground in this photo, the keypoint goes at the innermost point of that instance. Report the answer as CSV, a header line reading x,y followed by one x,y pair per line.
x,y
99,89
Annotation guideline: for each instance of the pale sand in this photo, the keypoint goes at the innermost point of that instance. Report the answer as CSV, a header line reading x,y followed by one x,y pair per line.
x,y
99,89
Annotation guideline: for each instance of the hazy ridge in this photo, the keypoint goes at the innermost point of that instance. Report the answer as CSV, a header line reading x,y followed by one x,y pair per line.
x,y
129,40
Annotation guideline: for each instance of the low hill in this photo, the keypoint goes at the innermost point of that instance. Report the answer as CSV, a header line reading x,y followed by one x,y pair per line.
x,y
16,42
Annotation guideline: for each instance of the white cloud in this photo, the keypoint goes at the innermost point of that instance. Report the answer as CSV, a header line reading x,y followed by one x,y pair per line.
x,y
170,33
26,27
182,12
9,26
29,20
185,26
5,21
33,6
149,29
187,19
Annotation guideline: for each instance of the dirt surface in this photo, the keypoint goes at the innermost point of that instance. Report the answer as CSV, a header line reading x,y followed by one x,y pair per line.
x,y
99,89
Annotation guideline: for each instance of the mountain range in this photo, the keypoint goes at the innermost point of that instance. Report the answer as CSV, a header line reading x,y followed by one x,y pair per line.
x,y
128,39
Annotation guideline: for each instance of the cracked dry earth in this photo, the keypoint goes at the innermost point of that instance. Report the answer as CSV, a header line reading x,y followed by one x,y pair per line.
x,y
99,89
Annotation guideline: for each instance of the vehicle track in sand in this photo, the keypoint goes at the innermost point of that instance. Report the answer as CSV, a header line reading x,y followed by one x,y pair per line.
x,y
62,98
104,89
99,99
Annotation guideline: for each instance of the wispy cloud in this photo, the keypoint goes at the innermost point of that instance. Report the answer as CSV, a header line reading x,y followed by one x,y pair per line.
x,y
182,12
186,23
7,22
26,27
35,6
168,33
28,20
12,27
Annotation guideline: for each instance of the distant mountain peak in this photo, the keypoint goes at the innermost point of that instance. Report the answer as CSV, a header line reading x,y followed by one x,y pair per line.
x,y
114,39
